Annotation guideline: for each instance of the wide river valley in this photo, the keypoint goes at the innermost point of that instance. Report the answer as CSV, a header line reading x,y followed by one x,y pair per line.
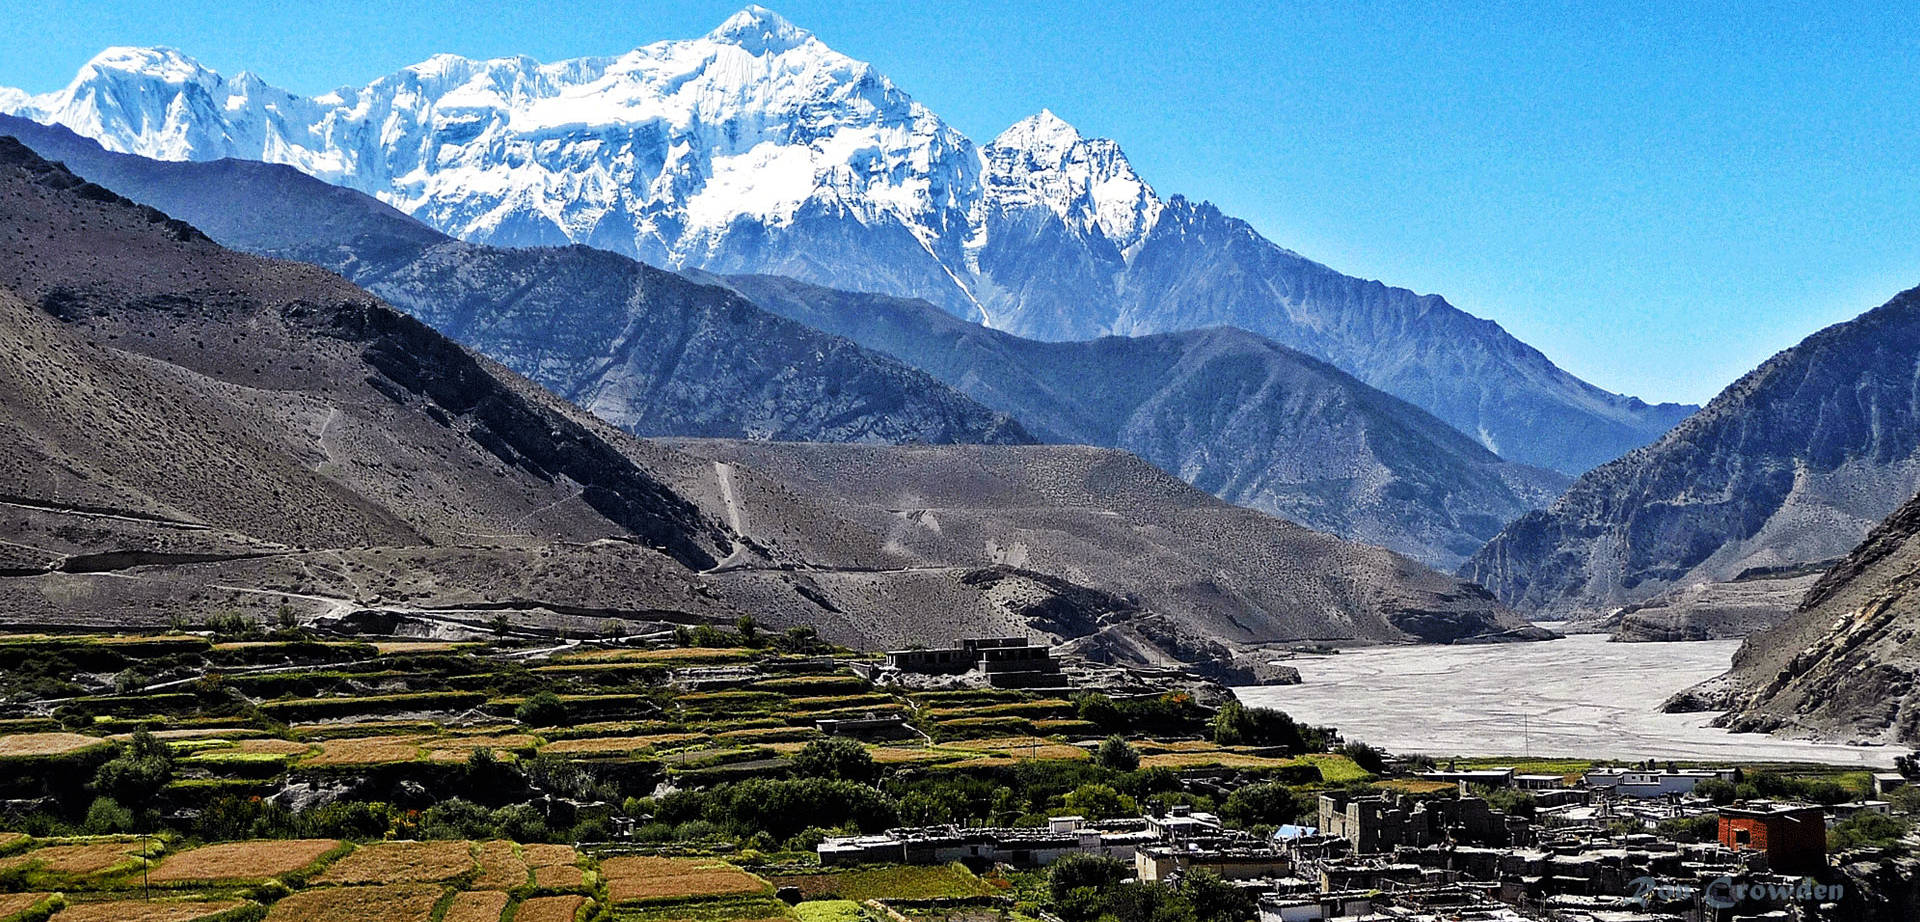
x,y
1580,697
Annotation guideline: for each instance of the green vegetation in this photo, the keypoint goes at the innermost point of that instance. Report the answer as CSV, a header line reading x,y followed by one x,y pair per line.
x,y
1867,830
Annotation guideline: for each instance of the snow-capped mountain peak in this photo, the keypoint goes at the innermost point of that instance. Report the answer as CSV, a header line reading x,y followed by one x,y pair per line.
x,y
1041,132
1044,161
167,65
759,31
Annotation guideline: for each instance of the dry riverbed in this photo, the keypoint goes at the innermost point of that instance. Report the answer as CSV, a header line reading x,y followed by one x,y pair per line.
x,y
1580,697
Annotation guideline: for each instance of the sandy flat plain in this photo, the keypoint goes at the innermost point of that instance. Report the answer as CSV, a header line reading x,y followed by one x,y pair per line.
x,y
1577,697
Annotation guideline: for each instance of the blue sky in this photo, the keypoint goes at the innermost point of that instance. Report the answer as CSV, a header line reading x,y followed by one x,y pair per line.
x,y
1656,199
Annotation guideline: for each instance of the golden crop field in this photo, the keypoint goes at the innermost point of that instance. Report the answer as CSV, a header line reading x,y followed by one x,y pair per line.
x,y
901,755
501,867
271,746
460,748
476,906
640,878
401,862
1024,747
612,745
669,655
403,647
366,750
1220,757
241,861
550,909
79,858
394,903
40,745
541,855
145,911
559,877
12,904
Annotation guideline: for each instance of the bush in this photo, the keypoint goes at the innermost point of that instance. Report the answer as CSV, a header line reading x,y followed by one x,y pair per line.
x,y
1268,804
835,757
1866,830
106,816
136,775
1116,754
1100,802
544,709
1238,725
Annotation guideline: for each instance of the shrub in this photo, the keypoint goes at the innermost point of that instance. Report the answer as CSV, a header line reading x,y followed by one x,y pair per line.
x,y
1866,830
1263,805
835,757
543,709
1100,801
1116,754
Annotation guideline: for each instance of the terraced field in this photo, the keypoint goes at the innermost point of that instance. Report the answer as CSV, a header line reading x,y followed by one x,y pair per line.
x,y
287,777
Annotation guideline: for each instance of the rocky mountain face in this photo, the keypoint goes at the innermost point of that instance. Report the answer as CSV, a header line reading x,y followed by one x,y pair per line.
x,y
1790,465
187,430
982,524
758,149
1846,665
642,348
1234,414
1245,419
178,402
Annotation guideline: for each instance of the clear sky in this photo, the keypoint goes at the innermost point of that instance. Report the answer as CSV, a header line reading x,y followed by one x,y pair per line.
x,y
1657,199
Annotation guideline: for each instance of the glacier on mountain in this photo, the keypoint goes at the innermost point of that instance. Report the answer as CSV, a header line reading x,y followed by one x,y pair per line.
x,y
757,148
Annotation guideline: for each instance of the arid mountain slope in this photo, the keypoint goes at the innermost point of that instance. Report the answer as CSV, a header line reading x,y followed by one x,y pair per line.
x,y
645,349
1248,420
1232,413
160,374
1106,520
1846,665
1790,465
191,430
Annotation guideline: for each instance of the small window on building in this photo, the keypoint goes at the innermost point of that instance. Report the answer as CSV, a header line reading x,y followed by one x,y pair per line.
x,y
1742,837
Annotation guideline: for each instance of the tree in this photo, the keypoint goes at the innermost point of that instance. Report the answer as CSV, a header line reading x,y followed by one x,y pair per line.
x,y
835,757
749,630
1370,759
1100,801
1866,830
135,776
1236,724
1097,709
543,709
1268,804
1116,754
1215,900
1079,883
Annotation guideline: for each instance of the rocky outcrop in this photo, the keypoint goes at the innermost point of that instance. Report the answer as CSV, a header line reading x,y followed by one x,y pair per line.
x,y
1790,465
1844,666
1731,610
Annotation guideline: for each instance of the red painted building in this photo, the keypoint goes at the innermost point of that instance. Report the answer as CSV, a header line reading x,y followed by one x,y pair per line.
x,y
1793,836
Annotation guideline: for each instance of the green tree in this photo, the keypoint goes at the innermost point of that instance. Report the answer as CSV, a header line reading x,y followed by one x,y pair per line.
x,y
1866,830
135,776
835,757
1215,900
1116,754
1079,883
1269,804
1235,724
1100,802
542,709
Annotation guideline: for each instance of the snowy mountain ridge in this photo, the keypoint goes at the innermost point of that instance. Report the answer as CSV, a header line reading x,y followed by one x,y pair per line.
x,y
758,149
